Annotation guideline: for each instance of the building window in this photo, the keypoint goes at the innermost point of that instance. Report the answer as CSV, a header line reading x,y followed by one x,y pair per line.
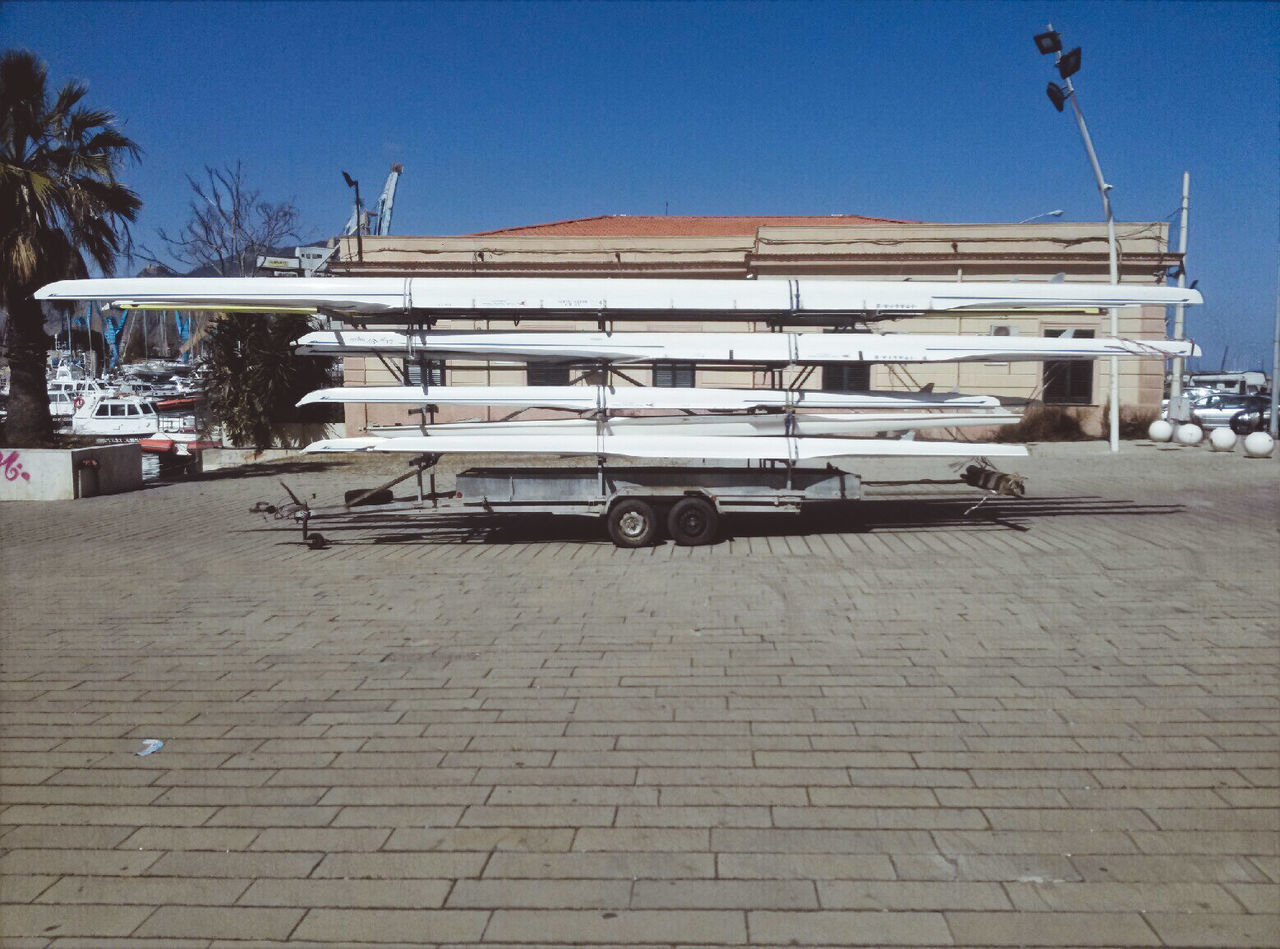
x,y
1068,381
418,371
547,374
846,377
675,375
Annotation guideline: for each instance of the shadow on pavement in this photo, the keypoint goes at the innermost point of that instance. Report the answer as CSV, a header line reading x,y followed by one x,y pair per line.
x,y
266,469
877,516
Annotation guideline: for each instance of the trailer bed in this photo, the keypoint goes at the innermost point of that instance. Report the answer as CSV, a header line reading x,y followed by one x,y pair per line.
x,y
590,491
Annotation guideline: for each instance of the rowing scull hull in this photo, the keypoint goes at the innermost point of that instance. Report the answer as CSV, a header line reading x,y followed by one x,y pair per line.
x,y
601,298
728,348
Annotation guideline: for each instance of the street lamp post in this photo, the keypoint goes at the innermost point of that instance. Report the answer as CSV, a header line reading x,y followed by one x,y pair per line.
x,y
1068,65
353,183
1036,217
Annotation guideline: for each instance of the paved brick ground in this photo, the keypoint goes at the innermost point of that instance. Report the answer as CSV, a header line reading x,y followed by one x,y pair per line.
x,y
1051,723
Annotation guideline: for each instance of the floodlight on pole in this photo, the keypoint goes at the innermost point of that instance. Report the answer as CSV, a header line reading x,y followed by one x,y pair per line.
x,y
1047,42
1057,95
1069,63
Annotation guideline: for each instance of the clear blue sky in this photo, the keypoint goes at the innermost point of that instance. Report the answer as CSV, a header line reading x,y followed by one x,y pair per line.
x,y
508,114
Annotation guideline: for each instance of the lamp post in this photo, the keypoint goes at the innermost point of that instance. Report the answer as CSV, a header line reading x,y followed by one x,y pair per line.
x,y
1050,41
1036,217
352,183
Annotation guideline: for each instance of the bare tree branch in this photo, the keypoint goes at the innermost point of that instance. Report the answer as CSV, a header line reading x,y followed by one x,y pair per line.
x,y
228,228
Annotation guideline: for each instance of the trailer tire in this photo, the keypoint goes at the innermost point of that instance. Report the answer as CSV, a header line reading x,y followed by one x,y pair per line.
x,y
632,523
692,522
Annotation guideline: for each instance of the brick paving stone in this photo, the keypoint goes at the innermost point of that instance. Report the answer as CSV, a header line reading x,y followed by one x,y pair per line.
x,y
540,894
247,866
401,866
140,890
1121,897
419,927
1233,930
834,928
908,895
23,889
804,866
602,866
15,863
1051,929
407,894
724,894
82,922
243,923
695,927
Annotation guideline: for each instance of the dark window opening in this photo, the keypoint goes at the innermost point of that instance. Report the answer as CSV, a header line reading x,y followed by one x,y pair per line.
x,y
846,377
1068,382
547,374
675,375
414,372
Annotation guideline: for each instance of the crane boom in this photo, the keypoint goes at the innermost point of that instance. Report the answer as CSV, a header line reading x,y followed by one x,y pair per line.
x,y
387,199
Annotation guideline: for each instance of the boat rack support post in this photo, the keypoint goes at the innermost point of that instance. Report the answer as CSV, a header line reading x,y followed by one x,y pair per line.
x,y
419,464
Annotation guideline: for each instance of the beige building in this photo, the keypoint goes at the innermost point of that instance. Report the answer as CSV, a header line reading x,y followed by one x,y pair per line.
x,y
835,246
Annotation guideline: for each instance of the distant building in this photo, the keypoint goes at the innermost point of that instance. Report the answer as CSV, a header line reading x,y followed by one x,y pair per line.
x,y
789,246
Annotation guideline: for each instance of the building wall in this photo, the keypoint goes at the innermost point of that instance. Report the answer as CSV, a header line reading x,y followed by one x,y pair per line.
x,y
872,251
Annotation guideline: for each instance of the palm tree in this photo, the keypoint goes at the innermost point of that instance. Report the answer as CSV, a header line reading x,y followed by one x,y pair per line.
x,y
60,203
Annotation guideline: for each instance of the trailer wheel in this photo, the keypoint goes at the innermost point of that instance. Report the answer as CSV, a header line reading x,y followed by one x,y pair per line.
x,y
693,522
632,523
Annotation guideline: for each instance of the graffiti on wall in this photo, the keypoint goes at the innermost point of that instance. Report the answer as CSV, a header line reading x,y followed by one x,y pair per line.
x,y
11,467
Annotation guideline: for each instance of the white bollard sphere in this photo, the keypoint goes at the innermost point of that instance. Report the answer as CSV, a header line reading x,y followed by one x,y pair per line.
x,y
1161,430
1222,439
1188,434
1258,444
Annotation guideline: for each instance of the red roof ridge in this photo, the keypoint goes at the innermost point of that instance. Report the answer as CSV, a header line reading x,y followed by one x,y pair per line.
x,y
620,225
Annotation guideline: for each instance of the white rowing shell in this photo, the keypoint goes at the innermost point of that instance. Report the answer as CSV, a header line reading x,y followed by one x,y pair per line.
x,y
601,298
703,425
687,447
753,348
589,398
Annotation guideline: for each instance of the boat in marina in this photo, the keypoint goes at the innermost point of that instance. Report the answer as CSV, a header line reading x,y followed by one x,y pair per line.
x,y
166,427
115,415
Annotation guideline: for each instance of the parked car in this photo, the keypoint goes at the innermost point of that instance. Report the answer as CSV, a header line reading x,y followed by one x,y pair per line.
x,y
1250,420
1216,410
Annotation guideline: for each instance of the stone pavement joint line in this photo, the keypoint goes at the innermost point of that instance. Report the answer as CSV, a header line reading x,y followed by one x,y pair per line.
x,y
1051,723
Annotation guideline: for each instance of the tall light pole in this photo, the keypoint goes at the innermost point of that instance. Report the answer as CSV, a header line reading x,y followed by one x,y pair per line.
x,y
1068,65
1274,427
1179,311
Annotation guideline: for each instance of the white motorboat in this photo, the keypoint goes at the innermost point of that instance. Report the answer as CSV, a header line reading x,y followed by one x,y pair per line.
x,y
113,415
67,394
127,416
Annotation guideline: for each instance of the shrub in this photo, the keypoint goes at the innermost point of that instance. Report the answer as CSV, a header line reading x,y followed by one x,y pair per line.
x,y
1135,422
1046,424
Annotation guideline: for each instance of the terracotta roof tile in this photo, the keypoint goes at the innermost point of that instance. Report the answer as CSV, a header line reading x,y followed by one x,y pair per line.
x,y
646,225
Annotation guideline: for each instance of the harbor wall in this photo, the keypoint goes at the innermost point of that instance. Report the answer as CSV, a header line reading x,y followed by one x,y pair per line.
x,y
67,474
